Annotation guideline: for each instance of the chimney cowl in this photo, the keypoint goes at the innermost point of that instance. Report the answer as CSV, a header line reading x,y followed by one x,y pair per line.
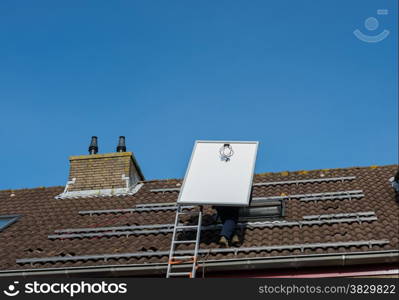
x,y
93,148
121,144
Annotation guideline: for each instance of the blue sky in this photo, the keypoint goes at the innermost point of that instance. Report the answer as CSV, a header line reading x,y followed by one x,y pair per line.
x,y
289,74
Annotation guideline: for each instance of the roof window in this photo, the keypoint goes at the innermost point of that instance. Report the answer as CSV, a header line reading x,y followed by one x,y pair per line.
x,y
6,221
262,209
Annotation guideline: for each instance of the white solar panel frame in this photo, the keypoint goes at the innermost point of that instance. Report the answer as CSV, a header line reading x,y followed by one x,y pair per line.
x,y
223,191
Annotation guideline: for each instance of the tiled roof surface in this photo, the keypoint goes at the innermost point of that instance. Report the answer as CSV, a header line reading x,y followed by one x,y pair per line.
x,y
42,215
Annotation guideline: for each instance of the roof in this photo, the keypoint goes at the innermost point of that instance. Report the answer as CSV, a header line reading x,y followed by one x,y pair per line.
x,y
61,234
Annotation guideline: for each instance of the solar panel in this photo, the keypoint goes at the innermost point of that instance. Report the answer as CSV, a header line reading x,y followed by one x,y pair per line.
x,y
219,173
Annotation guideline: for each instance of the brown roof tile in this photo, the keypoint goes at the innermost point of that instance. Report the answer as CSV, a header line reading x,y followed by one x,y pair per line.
x,y
42,214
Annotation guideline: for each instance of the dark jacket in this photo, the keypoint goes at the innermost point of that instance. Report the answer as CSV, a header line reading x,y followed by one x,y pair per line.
x,y
227,213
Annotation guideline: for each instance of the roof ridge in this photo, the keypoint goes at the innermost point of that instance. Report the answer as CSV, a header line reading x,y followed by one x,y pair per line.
x,y
257,174
326,169
34,188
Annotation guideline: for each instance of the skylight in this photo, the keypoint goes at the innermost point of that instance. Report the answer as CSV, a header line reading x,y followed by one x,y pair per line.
x,y
6,221
262,209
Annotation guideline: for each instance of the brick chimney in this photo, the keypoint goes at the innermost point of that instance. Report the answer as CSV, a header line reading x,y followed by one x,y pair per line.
x,y
103,175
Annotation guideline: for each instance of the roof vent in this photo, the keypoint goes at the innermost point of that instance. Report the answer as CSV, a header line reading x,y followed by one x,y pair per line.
x,y
121,145
93,148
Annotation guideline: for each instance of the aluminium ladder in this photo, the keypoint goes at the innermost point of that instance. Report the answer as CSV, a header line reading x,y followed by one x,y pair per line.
x,y
185,261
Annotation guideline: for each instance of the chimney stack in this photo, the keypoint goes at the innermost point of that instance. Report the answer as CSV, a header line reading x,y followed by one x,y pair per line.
x,y
121,145
107,174
93,148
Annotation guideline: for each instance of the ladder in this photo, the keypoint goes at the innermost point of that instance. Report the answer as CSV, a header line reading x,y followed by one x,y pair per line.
x,y
188,263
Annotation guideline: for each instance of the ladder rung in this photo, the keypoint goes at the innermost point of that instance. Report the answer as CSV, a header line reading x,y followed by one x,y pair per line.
x,y
180,274
186,226
185,242
185,259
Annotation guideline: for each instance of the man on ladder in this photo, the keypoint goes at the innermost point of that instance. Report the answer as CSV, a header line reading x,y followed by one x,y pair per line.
x,y
229,218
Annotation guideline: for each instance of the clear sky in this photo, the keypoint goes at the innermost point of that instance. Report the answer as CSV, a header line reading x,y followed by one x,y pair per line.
x,y
290,74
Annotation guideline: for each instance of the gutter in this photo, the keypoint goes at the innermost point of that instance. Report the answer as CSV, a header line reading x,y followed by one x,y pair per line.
x,y
276,262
